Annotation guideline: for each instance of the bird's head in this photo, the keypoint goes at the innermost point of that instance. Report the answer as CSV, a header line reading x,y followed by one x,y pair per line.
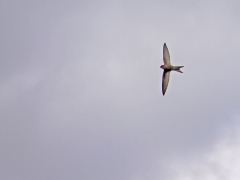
x,y
162,66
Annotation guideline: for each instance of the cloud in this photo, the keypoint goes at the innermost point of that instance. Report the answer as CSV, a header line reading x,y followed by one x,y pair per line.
x,y
80,88
221,162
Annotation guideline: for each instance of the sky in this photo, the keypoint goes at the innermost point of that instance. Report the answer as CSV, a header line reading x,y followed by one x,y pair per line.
x,y
81,98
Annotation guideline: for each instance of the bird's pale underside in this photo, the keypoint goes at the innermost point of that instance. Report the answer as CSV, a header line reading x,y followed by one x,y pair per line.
x,y
167,67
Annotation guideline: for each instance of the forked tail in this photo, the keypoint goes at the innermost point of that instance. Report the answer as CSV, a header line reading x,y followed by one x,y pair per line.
x,y
177,68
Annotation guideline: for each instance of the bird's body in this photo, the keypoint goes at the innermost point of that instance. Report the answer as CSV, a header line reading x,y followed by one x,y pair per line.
x,y
167,67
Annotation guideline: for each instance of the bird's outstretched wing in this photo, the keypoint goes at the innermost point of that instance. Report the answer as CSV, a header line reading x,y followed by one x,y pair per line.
x,y
166,55
165,80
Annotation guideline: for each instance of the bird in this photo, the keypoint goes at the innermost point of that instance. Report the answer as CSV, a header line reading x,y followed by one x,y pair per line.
x,y
167,67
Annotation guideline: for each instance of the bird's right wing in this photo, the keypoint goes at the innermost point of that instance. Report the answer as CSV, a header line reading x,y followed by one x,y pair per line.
x,y
166,55
165,80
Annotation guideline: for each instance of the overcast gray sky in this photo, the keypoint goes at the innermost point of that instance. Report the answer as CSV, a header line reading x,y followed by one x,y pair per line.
x,y
80,90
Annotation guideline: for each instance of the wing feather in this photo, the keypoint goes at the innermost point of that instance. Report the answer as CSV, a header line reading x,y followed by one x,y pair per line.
x,y
165,80
166,55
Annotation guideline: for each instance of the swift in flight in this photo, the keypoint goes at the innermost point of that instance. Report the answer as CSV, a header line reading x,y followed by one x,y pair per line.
x,y
167,67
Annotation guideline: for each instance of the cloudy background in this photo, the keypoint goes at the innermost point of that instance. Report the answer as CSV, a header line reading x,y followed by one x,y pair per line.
x,y
80,90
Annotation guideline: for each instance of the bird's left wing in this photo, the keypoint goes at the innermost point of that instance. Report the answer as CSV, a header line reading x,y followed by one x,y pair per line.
x,y
166,55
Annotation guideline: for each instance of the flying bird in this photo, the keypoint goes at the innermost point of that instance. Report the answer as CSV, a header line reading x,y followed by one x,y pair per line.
x,y
167,67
